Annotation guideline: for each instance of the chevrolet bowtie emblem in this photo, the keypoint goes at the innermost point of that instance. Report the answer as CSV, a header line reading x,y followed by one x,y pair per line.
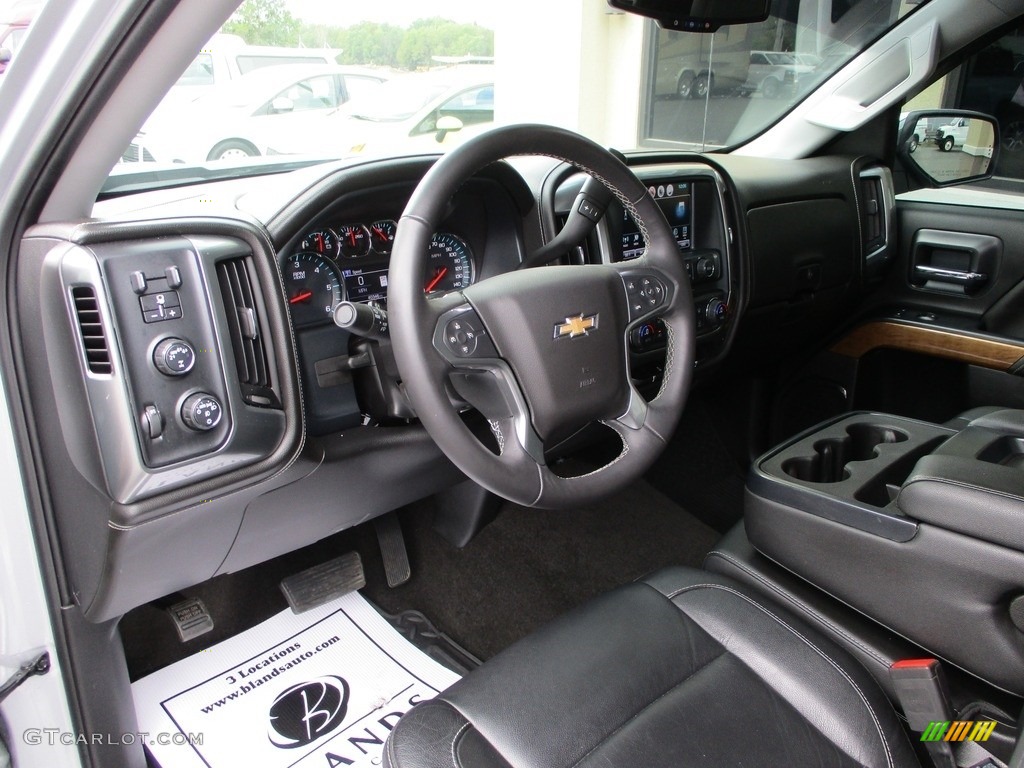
x,y
576,326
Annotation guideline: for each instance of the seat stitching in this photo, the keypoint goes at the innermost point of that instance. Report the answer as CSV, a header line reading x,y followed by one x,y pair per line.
x,y
455,740
783,594
647,706
832,662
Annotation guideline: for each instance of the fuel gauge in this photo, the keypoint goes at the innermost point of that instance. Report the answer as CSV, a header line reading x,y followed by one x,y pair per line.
x,y
323,241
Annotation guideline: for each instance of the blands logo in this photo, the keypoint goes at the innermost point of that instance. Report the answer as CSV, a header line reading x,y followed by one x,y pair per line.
x,y
307,711
958,730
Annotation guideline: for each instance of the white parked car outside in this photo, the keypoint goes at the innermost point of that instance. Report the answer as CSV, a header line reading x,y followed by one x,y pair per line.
x,y
245,116
418,112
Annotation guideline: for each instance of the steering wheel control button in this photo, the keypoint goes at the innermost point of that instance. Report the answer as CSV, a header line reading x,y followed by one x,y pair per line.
x,y
152,422
174,357
201,412
645,292
462,336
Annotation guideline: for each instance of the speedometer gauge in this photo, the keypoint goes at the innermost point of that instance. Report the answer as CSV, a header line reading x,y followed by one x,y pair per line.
x,y
312,285
449,264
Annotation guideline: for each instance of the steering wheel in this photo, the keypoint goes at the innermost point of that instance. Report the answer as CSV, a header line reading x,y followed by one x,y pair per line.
x,y
540,352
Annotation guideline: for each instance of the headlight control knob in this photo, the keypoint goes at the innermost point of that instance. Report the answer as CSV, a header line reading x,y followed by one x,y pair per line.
x,y
201,412
174,357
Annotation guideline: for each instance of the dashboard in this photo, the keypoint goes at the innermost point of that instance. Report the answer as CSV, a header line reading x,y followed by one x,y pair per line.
x,y
213,415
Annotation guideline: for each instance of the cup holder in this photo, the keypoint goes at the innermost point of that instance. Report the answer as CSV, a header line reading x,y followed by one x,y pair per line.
x,y
832,455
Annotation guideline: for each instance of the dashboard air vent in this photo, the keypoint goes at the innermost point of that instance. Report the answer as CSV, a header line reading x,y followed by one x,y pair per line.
x,y
246,331
873,213
90,326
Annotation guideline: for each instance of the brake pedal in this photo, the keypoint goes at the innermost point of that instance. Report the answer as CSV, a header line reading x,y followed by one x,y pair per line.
x,y
324,582
190,618
392,549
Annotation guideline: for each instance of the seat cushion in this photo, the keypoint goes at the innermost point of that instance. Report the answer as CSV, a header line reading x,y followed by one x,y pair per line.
x,y
683,669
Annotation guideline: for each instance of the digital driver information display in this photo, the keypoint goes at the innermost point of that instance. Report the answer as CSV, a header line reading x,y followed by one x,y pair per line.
x,y
676,201
366,284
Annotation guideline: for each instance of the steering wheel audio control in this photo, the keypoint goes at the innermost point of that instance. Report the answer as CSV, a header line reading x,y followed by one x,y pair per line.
x,y
460,335
201,412
645,292
174,357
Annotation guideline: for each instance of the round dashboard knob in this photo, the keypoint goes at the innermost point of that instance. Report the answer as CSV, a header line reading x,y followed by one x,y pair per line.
x,y
715,311
174,357
706,267
201,412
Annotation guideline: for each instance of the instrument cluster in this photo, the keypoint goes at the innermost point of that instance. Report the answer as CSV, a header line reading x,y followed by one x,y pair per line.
x,y
349,262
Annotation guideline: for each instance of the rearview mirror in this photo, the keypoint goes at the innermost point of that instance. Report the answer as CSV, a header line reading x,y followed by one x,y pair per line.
x,y
697,15
944,147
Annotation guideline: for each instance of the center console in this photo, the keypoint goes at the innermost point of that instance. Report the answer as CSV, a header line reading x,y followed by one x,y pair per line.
x,y
917,525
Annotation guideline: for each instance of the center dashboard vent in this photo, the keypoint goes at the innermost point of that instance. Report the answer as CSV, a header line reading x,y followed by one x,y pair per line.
x,y
245,326
90,327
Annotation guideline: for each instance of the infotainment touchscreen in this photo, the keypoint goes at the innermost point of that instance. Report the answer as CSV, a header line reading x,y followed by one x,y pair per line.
x,y
676,201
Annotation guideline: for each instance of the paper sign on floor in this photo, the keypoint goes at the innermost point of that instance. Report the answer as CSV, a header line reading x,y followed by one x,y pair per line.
x,y
320,689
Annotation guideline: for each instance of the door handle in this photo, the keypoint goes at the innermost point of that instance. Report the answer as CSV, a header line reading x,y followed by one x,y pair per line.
x,y
956,277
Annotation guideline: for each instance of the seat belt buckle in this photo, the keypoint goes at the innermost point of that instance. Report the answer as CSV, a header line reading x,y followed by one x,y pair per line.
x,y
922,692
924,697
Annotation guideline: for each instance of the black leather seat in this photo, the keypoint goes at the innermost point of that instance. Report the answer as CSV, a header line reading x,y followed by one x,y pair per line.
x,y
683,669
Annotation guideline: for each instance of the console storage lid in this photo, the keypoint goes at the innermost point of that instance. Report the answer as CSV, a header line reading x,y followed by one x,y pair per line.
x,y
974,482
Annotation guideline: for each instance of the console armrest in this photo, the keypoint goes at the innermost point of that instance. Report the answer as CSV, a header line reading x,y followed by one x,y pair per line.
x,y
976,498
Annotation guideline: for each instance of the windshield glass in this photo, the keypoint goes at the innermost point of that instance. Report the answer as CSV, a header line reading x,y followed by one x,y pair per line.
x,y
396,100
405,77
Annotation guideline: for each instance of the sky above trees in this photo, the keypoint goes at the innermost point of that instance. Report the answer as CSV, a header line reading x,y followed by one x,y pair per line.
x,y
409,45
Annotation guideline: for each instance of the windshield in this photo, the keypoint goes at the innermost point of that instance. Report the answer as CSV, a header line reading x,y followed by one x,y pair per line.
x,y
425,76
397,100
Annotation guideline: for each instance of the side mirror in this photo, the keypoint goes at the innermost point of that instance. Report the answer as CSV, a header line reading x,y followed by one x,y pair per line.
x,y
946,147
446,124
282,104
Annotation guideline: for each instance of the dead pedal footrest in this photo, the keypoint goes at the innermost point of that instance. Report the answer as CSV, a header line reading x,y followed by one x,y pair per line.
x,y
324,582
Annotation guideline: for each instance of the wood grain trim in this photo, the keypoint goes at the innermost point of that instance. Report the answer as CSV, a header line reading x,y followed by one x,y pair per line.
x,y
988,353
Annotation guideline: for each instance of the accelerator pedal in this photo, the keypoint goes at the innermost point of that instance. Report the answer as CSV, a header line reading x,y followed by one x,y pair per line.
x,y
324,582
392,549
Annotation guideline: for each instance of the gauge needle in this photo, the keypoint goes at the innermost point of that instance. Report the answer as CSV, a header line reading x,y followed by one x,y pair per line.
x,y
320,246
436,279
352,237
380,233
304,296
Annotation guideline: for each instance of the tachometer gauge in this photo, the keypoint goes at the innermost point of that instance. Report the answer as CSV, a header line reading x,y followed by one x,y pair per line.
x,y
449,265
382,236
322,241
312,285
355,240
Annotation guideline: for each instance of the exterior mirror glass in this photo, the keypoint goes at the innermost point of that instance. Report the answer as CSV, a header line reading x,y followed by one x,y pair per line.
x,y
945,147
